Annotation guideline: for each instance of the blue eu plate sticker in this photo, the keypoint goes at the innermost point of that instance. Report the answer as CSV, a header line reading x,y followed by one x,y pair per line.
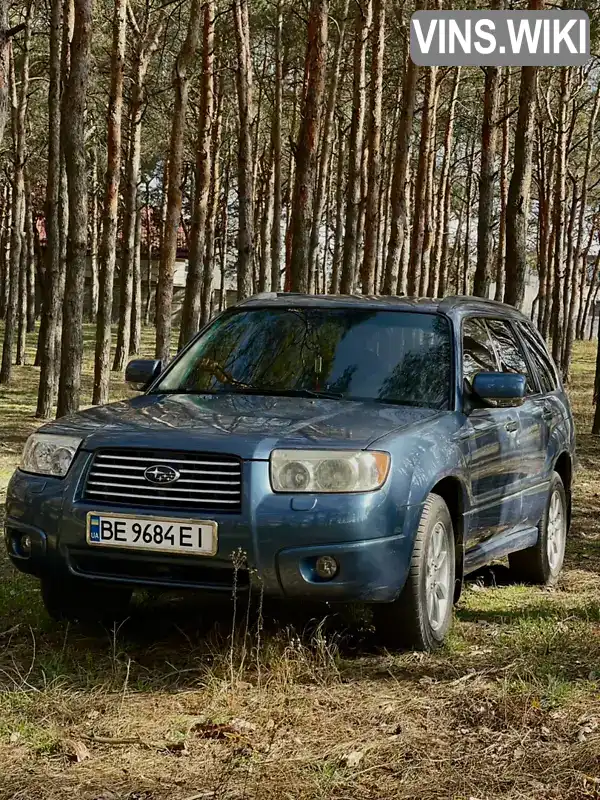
x,y
95,529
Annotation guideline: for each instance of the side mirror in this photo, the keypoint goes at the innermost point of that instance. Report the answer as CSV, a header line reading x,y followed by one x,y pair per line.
x,y
141,372
500,388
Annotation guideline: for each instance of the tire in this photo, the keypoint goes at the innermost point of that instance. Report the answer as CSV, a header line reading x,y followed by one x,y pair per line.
x,y
420,618
71,600
542,563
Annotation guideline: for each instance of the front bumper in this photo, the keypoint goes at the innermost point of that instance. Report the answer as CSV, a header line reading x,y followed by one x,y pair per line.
x,y
281,537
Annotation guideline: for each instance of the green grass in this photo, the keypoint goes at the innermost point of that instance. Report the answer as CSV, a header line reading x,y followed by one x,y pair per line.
x,y
172,706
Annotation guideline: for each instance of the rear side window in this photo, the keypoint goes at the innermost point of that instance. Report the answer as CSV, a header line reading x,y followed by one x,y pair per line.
x,y
509,352
539,356
478,350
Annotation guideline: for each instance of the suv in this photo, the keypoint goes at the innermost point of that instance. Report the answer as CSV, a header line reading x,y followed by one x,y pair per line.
x,y
353,448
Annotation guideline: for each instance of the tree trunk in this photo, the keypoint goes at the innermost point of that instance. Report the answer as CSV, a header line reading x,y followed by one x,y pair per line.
x,y
190,317
94,236
444,283
581,257
306,151
593,315
181,80
517,207
596,422
5,55
244,82
356,144
47,357
501,253
399,210
419,207
454,261
590,293
135,339
559,215
369,265
23,277
75,145
108,246
266,222
327,136
5,249
360,224
585,296
22,304
463,281
546,178
322,289
336,263
223,232
579,322
63,198
148,213
401,289
487,179
20,105
427,281
386,189
63,192
569,286
31,265
145,49
213,203
277,159
163,220
444,196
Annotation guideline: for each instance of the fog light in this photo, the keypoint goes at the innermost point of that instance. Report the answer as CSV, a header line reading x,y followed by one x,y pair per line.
x,y
25,545
326,567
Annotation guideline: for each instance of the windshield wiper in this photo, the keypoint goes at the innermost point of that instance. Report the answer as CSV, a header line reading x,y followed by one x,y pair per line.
x,y
253,390
314,393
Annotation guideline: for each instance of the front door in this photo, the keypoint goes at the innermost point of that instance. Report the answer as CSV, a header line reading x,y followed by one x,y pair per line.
x,y
493,436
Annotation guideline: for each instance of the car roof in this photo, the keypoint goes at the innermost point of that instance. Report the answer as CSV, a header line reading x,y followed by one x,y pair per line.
x,y
451,306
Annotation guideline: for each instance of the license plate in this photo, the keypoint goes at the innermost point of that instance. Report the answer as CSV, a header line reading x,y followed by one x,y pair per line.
x,y
198,537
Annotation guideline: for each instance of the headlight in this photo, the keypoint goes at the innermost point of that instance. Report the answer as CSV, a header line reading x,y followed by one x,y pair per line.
x,y
328,470
49,454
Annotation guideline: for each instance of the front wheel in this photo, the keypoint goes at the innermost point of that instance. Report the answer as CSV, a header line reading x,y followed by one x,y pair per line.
x,y
542,563
422,615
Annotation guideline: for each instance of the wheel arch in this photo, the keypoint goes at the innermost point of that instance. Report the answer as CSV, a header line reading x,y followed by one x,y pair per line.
x,y
452,491
564,467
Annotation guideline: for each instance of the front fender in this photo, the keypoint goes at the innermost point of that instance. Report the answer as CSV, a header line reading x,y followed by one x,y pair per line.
x,y
426,455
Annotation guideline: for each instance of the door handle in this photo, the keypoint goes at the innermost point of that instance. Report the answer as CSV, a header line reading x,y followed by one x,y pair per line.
x,y
512,426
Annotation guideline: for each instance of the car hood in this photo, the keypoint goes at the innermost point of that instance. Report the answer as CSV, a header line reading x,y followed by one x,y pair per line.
x,y
247,425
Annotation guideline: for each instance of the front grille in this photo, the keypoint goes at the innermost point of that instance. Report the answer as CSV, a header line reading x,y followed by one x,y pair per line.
x,y
207,482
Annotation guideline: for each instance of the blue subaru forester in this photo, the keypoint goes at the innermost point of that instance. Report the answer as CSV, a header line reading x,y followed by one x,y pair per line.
x,y
354,448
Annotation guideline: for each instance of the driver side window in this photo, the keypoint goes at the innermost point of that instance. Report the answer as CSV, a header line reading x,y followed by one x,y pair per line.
x,y
478,351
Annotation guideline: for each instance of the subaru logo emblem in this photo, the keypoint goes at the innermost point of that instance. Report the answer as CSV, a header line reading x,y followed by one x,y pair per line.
x,y
161,474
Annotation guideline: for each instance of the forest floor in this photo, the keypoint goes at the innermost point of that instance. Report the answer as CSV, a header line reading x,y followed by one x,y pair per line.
x,y
171,707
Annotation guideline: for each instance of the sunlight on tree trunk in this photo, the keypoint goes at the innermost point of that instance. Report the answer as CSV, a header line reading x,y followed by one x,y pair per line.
x,y
75,150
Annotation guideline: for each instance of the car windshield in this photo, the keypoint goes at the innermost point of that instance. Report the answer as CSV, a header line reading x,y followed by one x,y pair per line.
x,y
400,357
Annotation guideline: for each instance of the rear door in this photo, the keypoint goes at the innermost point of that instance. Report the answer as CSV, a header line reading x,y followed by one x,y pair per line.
x,y
548,408
493,437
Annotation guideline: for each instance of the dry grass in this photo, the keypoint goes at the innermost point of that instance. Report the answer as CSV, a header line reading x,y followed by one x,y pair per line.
x,y
171,707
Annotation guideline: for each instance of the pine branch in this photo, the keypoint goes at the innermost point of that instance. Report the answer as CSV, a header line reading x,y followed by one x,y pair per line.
x,y
14,31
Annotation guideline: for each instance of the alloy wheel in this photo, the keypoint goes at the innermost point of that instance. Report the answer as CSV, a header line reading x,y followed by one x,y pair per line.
x,y
438,576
